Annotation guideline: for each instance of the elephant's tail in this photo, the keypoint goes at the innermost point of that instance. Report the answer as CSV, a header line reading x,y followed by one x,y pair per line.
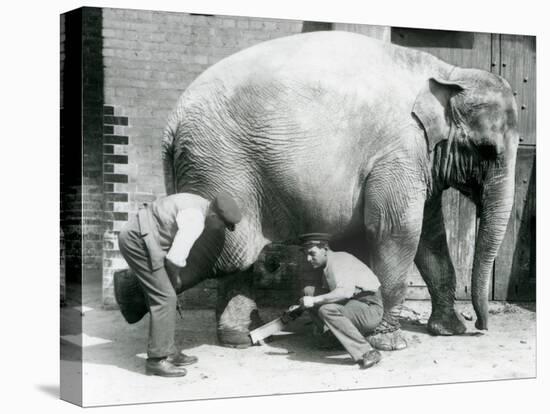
x,y
169,139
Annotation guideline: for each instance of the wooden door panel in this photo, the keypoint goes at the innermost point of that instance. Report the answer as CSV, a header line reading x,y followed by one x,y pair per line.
x,y
515,274
461,225
515,271
518,67
464,49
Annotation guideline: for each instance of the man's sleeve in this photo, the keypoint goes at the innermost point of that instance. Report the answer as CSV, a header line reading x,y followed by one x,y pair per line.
x,y
355,274
190,226
343,277
367,280
346,285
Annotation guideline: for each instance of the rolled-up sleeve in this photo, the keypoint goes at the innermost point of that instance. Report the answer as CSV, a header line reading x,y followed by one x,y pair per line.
x,y
190,223
347,288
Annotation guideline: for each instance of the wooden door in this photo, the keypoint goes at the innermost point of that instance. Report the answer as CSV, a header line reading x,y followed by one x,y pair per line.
x,y
515,272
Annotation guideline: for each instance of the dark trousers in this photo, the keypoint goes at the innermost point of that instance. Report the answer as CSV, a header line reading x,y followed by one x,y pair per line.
x,y
159,292
351,320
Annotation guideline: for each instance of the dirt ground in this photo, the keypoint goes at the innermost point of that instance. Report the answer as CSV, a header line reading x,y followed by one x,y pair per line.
x,y
114,356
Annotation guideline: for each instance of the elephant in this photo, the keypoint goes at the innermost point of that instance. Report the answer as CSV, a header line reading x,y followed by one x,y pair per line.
x,y
340,133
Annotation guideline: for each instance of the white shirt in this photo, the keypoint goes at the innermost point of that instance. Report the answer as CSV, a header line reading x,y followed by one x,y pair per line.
x,y
344,270
190,223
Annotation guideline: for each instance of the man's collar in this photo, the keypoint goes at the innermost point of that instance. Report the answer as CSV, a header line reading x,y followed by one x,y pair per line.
x,y
329,253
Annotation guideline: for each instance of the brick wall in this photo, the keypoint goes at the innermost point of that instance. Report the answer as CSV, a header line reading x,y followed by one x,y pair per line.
x,y
71,143
62,278
71,105
115,191
92,135
61,57
149,59
81,142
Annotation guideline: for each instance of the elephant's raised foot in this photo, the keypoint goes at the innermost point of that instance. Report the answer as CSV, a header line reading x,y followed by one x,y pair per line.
x,y
234,339
239,316
446,324
388,341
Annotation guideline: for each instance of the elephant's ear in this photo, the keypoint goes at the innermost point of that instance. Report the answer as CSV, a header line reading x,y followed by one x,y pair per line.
x,y
432,107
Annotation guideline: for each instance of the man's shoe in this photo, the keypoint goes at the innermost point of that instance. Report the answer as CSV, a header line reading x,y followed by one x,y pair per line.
x,y
163,368
369,359
179,359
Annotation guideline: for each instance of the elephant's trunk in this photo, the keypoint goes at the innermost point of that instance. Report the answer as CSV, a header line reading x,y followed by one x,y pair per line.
x,y
496,203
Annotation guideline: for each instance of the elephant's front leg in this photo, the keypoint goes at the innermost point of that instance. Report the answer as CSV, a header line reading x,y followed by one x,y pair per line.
x,y
390,261
434,263
393,232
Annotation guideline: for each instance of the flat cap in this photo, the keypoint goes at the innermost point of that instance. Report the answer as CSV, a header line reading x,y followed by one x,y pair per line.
x,y
312,239
130,296
225,206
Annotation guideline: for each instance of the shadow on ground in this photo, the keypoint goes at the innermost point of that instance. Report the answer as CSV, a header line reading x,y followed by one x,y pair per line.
x,y
298,342
51,390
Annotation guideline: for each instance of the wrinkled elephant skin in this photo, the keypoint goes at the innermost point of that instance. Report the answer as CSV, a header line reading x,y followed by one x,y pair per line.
x,y
340,133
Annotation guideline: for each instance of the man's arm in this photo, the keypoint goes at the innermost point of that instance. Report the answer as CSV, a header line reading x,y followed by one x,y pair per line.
x,y
336,295
190,223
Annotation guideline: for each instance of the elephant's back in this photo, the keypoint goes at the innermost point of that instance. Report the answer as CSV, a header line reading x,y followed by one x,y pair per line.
x,y
310,89
293,108
353,68
300,56
334,56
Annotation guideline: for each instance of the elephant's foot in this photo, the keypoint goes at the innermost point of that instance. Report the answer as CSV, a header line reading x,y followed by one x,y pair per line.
x,y
239,317
388,341
388,336
234,339
446,323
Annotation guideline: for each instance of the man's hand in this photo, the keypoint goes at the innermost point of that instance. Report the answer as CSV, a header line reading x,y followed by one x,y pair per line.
x,y
307,301
173,272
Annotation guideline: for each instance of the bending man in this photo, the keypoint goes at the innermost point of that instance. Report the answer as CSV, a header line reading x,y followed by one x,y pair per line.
x,y
156,243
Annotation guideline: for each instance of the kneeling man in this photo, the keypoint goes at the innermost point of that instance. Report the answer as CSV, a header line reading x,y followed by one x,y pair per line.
x,y
353,307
